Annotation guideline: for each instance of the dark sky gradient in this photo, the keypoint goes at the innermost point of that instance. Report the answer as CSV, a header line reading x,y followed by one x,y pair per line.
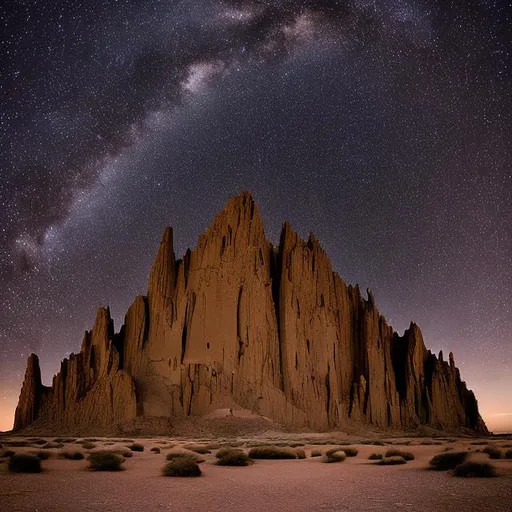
x,y
382,126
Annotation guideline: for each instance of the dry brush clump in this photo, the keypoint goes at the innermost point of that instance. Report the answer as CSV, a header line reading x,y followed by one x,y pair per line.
x,y
234,458
271,452
105,461
493,452
88,445
447,460
394,460
24,463
376,456
334,456
182,467
155,449
316,453
173,455
475,469
71,455
43,454
198,448
508,454
136,447
393,452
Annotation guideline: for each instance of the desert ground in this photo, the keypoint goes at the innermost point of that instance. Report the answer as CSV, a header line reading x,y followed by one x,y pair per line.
x,y
356,484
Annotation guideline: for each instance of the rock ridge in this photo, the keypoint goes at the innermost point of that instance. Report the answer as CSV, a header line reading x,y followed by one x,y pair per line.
x,y
238,322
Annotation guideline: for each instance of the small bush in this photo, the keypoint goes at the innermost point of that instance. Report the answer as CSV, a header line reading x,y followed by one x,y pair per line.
x,y
376,456
42,454
72,455
182,467
48,446
227,451
125,453
392,461
38,441
6,453
25,463
234,458
493,452
508,454
475,469
478,443
17,444
93,440
86,445
198,448
105,461
330,451
184,455
316,453
301,454
350,451
271,452
377,443
448,460
393,452
338,456
136,447
155,449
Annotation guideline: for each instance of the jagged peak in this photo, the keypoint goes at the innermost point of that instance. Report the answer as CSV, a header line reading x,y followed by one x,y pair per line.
x,y
162,276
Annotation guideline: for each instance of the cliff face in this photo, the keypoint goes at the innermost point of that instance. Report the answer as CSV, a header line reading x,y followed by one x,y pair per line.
x,y
273,330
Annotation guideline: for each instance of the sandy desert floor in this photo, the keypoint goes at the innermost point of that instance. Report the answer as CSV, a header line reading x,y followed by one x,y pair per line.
x,y
356,484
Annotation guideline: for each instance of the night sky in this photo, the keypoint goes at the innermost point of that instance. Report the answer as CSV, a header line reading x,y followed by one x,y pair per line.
x,y
382,126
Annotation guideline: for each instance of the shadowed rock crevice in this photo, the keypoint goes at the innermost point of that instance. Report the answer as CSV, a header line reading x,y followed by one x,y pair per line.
x,y
237,322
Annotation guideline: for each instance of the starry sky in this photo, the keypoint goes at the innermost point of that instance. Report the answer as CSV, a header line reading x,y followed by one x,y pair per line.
x,y
383,126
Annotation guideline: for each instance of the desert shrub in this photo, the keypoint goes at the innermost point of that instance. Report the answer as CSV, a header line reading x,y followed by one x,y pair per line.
x,y
478,443
183,467
508,454
136,447
392,461
155,449
271,452
17,444
338,456
24,463
105,461
447,460
475,469
301,454
226,451
393,452
316,453
330,451
428,442
125,453
42,454
92,439
350,451
376,456
72,455
234,458
48,446
184,455
38,441
296,445
198,448
6,453
86,445
493,452
376,442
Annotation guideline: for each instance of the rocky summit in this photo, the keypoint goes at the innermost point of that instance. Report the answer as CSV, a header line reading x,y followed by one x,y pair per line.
x,y
238,322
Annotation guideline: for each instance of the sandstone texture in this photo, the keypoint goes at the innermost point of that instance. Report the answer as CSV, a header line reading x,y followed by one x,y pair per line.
x,y
238,322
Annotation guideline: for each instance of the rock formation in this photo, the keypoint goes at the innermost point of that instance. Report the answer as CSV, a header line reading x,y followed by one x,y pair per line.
x,y
240,322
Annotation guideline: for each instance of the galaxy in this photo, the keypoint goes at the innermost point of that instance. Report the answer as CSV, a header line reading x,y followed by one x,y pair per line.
x,y
382,126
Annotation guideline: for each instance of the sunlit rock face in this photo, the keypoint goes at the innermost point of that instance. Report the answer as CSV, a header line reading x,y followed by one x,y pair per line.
x,y
240,322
